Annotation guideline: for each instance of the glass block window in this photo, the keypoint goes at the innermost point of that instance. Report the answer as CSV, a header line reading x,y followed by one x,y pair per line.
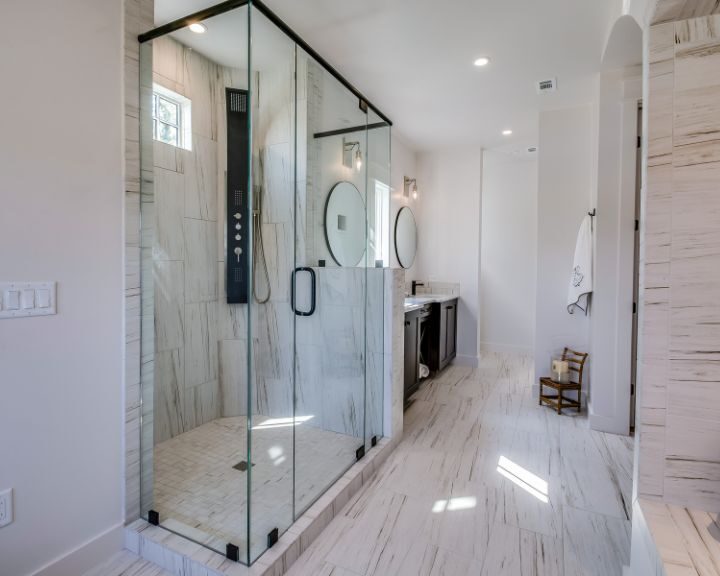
x,y
171,118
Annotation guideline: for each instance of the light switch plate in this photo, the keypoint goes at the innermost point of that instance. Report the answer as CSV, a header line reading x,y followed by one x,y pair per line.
x,y
6,507
22,299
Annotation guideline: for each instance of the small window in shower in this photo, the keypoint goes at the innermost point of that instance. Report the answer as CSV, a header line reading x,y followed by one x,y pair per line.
x,y
171,118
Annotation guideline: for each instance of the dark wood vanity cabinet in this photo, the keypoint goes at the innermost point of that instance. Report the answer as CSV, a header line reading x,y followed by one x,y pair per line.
x,y
418,326
447,333
412,379
430,338
444,334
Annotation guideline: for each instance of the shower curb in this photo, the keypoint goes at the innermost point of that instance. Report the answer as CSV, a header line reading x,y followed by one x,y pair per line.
x,y
182,557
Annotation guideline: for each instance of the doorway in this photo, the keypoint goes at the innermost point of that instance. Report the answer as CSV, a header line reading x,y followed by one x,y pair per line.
x,y
636,270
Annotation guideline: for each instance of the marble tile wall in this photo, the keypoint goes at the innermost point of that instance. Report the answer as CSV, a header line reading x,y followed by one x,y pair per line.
x,y
679,458
331,352
201,341
186,250
673,10
138,18
434,287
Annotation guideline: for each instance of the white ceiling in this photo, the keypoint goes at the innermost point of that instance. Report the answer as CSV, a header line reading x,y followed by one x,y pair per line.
x,y
413,59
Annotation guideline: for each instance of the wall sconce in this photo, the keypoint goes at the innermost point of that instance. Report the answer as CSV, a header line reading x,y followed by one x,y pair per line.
x,y
410,187
348,148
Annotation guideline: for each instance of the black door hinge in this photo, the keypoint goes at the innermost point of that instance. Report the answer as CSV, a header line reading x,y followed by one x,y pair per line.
x,y
360,452
272,538
232,552
637,225
639,141
634,307
153,517
373,441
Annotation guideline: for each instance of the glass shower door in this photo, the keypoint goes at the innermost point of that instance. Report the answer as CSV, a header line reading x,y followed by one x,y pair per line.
x,y
329,281
377,258
271,332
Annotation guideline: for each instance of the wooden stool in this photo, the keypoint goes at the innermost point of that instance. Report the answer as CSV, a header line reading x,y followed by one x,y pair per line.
x,y
576,361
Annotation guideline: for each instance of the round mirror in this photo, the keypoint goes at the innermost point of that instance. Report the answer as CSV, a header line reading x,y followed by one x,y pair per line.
x,y
345,224
405,237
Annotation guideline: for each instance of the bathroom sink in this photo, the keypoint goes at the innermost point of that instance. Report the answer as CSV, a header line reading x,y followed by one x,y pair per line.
x,y
417,300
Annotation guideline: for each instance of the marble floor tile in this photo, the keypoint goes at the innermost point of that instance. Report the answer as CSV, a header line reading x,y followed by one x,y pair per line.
x,y
127,564
486,482
200,494
426,559
592,479
516,552
385,527
595,544
461,522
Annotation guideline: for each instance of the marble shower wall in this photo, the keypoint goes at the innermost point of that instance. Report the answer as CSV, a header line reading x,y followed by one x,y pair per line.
x,y
200,359
191,388
273,149
679,411
138,18
332,347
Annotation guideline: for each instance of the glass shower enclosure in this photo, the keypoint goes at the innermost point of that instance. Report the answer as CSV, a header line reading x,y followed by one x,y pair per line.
x,y
265,204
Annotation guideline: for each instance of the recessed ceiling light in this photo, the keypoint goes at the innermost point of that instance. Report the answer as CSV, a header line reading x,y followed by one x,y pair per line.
x,y
507,132
483,61
198,28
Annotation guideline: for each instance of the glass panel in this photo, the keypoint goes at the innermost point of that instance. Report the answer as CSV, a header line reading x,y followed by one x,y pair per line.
x,y
168,111
377,258
272,337
194,343
262,255
167,134
330,343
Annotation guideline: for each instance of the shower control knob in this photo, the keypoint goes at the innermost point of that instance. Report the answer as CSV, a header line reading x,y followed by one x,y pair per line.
x,y
237,226
238,250
238,237
238,215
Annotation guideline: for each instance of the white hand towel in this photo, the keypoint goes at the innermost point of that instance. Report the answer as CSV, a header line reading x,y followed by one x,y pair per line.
x,y
581,280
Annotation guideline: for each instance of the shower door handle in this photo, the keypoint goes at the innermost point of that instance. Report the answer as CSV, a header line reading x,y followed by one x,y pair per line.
x,y
313,289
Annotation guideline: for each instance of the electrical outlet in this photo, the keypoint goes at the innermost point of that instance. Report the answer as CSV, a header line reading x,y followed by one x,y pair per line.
x,y
6,507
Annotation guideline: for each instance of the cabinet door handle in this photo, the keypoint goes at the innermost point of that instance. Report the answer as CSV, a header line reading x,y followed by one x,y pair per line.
x,y
450,307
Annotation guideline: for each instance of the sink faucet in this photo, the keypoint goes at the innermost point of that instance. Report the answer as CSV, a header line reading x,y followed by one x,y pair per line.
x,y
415,284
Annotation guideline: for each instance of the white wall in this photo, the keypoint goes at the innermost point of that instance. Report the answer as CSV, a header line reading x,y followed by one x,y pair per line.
x,y
508,255
611,327
449,186
61,191
565,183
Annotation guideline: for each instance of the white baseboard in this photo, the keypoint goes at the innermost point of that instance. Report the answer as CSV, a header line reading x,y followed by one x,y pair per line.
x,y
463,360
506,348
87,555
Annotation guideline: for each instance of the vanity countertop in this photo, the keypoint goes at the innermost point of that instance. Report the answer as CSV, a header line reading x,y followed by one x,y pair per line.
x,y
418,301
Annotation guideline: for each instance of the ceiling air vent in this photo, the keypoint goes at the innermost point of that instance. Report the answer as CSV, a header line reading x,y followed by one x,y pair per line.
x,y
545,86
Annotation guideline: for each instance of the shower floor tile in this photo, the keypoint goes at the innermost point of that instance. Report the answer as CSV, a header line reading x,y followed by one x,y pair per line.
x,y
201,493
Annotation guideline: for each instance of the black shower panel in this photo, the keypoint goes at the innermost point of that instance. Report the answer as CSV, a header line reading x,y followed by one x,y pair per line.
x,y
239,219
